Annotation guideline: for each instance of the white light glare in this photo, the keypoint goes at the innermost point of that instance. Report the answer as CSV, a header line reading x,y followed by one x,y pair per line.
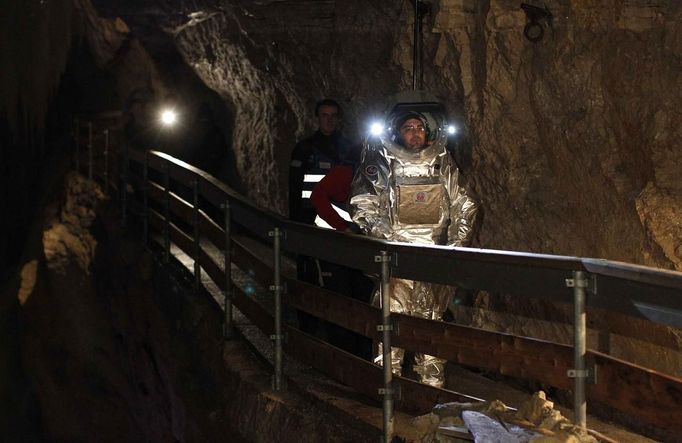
x,y
451,129
376,129
169,117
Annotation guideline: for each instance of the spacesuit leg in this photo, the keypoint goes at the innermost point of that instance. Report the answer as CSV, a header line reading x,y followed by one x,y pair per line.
x,y
430,369
400,302
430,302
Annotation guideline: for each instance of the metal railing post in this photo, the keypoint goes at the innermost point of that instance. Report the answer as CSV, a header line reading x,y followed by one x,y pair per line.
x,y
124,186
277,288
145,202
90,150
386,327
197,236
579,283
228,332
166,213
77,139
106,160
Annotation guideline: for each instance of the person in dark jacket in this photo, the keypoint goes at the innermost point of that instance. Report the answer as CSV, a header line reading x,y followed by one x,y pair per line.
x,y
330,199
311,159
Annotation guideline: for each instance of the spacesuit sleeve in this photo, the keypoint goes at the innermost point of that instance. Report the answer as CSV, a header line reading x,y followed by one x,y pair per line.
x,y
463,210
369,195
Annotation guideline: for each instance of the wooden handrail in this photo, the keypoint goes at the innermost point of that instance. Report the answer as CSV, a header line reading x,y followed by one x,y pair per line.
x,y
633,288
506,354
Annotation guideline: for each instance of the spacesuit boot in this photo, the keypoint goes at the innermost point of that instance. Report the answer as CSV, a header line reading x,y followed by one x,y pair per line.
x,y
397,355
430,369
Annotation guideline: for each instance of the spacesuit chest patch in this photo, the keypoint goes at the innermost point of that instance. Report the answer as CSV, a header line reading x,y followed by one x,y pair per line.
x,y
420,204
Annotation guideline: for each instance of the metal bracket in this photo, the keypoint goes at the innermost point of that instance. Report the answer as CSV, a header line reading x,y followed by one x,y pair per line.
x,y
572,283
280,336
395,391
393,327
589,283
282,234
282,288
589,374
391,258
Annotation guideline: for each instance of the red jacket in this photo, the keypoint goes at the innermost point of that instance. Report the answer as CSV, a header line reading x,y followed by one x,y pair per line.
x,y
334,187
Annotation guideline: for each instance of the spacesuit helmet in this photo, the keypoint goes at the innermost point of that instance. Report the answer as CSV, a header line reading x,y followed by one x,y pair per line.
x,y
411,130
414,130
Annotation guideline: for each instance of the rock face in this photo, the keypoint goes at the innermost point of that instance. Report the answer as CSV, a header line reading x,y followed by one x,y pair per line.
x,y
577,135
576,138
112,347
271,61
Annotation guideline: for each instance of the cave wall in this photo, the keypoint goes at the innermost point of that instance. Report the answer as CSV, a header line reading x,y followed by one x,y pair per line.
x,y
576,138
271,61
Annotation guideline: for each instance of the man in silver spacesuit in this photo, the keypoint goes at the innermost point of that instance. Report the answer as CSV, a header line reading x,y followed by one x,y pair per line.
x,y
407,189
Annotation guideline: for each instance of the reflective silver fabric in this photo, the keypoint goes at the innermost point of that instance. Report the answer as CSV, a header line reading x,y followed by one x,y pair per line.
x,y
391,182
375,192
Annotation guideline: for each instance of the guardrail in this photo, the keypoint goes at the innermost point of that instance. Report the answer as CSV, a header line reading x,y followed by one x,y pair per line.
x,y
652,294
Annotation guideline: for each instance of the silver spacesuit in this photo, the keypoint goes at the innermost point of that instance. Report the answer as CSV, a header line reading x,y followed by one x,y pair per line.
x,y
407,189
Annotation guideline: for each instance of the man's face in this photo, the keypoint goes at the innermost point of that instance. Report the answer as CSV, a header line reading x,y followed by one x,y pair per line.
x,y
328,119
413,133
